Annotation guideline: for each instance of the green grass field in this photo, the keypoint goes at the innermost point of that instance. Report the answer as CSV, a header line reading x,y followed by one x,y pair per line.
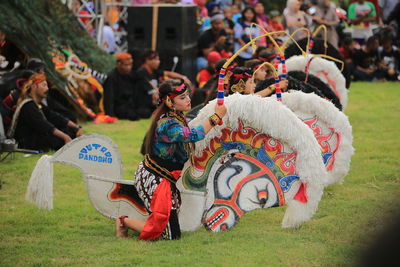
x,y
348,218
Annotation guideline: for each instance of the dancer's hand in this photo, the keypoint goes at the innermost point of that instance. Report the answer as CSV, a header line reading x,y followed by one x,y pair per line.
x,y
67,139
63,136
79,132
220,110
187,81
155,97
284,85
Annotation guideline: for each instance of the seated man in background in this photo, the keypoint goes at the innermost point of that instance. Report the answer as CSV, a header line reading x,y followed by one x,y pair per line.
x,y
34,125
208,91
55,100
120,89
347,50
205,74
212,39
149,77
365,62
389,56
9,103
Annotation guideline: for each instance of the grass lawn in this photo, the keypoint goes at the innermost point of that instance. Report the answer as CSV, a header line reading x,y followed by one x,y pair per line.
x,y
348,218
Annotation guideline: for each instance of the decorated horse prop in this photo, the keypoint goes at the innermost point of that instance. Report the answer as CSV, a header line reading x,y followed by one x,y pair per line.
x,y
249,162
256,160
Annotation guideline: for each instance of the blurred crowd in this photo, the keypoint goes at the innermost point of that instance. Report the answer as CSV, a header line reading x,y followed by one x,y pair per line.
x,y
365,33
224,27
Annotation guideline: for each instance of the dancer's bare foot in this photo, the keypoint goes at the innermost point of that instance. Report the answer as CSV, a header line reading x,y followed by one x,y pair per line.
x,y
121,229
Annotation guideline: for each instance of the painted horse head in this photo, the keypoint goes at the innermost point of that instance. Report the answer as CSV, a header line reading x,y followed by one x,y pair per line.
x,y
262,156
241,184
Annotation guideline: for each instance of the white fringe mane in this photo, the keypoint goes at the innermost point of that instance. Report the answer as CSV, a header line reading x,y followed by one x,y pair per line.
x,y
302,103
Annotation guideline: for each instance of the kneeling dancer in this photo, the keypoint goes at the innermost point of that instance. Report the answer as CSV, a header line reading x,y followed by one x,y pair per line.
x,y
169,143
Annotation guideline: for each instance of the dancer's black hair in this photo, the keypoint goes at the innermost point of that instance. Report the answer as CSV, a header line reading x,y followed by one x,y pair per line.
x,y
300,85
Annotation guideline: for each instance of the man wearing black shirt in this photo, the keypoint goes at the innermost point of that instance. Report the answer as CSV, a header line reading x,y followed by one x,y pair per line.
x,y
120,90
389,56
34,125
9,103
149,77
212,39
365,62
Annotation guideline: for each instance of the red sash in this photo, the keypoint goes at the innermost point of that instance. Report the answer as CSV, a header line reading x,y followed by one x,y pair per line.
x,y
161,205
